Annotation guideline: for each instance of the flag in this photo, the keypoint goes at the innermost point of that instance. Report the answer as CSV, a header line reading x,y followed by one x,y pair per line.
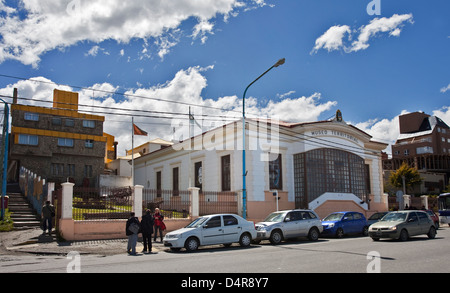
x,y
138,131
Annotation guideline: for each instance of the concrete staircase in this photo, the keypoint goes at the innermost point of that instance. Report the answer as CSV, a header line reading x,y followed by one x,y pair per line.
x,y
22,214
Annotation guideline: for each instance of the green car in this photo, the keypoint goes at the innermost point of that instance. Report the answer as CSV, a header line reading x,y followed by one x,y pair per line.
x,y
402,225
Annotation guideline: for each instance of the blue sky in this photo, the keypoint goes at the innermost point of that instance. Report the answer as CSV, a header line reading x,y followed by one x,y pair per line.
x,y
371,67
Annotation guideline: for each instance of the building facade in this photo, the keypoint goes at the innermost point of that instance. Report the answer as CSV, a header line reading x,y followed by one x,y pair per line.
x,y
423,143
59,143
325,166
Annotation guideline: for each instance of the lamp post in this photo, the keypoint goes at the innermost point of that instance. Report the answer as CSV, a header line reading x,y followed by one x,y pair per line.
x,y
5,158
244,172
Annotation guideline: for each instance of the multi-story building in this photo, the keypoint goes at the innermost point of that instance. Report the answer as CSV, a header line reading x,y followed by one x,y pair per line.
x,y
423,143
59,143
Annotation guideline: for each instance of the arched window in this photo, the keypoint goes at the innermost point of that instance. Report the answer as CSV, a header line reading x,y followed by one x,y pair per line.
x,y
329,170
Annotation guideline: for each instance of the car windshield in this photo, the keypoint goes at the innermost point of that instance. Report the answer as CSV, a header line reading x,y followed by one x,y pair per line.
x,y
395,217
334,217
197,222
275,217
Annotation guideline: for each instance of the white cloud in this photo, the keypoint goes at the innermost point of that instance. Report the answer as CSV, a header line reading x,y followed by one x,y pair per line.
x,y
380,25
36,27
333,38
445,89
183,90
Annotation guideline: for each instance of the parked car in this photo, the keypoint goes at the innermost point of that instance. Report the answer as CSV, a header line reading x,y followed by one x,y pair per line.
x,y
210,230
376,217
434,217
289,224
402,225
344,223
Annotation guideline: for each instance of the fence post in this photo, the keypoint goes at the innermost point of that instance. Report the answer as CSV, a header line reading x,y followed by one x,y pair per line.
x,y
67,200
137,200
50,189
406,201
194,194
424,199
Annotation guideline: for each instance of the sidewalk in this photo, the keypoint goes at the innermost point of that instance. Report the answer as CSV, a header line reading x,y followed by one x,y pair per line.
x,y
31,241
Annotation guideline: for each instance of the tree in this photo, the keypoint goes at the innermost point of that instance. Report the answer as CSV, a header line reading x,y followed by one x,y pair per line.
x,y
411,175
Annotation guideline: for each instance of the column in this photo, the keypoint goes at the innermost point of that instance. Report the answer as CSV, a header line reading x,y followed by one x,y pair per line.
x,y
194,194
137,200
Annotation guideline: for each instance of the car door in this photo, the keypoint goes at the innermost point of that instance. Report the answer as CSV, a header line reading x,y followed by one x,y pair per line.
x,y
231,229
413,224
291,224
359,221
213,231
304,223
425,222
348,223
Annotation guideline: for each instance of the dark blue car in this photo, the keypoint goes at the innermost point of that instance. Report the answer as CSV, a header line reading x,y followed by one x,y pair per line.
x,y
344,223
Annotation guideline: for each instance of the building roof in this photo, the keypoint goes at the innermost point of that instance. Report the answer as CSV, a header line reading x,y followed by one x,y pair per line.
x,y
427,127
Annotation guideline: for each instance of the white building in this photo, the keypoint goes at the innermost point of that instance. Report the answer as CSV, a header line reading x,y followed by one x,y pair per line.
x,y
326,166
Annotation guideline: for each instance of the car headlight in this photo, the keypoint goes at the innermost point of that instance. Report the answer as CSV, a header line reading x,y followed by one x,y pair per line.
x,y
331,225
169,236
393,228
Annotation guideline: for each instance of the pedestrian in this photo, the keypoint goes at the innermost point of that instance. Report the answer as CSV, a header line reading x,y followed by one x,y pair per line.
x,y
159,224
132,230
147,231
47,214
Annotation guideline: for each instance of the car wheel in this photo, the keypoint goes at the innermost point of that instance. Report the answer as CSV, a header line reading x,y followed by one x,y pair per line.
x,y
245,240
339,233
313,234
432,233
191,244
404,235
365,231
276,237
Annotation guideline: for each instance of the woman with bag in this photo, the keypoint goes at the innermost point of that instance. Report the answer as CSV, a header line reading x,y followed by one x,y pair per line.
x,y
132,229
159,224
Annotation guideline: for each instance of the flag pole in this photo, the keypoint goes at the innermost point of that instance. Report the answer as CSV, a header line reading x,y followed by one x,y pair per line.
x,y
132,150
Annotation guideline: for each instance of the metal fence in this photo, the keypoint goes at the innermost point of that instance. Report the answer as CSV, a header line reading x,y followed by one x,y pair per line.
x,y
217,202
172,203
103,203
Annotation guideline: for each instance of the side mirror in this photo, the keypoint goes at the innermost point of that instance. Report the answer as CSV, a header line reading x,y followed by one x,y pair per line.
x,y
287,219
411,220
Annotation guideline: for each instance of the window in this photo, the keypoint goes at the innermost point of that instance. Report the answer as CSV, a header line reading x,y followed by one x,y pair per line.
x,y
424,150
56,121
89,144
275,174
71,170
26,139
198,175
214,222
158,184
226,173
65,142
57,169
329,170
175,180
87,171
89,123
31,116
406,152
229,221
70,122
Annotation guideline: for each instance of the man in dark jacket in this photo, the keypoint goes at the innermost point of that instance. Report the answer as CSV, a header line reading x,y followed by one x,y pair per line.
x,y
132,229
147,231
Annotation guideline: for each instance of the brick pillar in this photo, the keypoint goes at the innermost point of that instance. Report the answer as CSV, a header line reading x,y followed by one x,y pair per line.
x,y
137,200
194,193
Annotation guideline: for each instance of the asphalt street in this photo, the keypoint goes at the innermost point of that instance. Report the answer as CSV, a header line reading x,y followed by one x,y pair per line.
x,y
328,255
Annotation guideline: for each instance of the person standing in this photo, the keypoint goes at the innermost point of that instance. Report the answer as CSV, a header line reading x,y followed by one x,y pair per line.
x,y
48,212
159,224
132,230
147,231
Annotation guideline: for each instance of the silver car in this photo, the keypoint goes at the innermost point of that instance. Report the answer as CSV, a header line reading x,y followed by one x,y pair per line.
x,y
210,230
402,225
289,224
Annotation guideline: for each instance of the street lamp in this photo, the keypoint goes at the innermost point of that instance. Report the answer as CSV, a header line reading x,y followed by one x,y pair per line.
x,y
244,173
5,158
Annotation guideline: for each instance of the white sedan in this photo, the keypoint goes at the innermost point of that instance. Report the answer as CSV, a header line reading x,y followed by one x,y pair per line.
x,y
212,229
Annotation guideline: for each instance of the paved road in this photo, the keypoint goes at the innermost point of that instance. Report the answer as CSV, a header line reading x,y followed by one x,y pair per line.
x,y
348,255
